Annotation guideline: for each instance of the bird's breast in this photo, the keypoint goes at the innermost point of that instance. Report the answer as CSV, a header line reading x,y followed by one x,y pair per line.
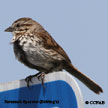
x,y
34,51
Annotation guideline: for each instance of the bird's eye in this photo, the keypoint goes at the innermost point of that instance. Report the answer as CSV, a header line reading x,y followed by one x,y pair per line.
x,y
18,25
26,29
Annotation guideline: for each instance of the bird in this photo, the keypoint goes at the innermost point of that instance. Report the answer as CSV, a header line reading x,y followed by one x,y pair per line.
x,y
36,48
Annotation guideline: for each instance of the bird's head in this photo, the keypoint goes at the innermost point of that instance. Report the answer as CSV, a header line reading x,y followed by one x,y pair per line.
x,y
23,25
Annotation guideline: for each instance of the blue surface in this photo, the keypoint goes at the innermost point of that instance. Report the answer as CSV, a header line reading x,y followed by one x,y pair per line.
x,y
57,90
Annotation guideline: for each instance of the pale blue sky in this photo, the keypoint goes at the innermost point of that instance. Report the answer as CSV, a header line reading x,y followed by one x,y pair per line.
x,y
79,26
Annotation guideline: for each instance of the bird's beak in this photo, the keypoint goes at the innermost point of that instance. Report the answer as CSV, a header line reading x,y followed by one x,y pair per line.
x,y
9,29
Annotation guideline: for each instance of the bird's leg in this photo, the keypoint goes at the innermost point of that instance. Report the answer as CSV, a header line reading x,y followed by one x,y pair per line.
x,y
29,78
42,76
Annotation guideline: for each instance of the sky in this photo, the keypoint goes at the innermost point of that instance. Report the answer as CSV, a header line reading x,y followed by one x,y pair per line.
x,y
79,26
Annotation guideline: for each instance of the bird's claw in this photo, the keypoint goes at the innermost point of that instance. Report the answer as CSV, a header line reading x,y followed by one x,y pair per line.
x,y
28,79
42,76
39,75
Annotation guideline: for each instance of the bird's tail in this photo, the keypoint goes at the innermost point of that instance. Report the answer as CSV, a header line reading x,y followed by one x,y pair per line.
x,y
83,78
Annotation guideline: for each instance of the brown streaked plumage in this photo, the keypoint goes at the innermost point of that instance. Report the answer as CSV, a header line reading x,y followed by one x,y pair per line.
x,y
35,48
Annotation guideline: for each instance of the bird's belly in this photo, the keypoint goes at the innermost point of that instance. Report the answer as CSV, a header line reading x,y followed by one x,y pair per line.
x,y
37,56
33,53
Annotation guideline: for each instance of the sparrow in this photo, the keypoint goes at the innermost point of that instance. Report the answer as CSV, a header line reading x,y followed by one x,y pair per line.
x,y
34,47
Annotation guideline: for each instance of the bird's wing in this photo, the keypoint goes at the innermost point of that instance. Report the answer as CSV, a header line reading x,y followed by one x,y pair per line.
x,y
50,43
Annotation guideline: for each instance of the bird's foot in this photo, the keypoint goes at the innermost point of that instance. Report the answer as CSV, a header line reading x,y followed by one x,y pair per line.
x,y
42,76
29,79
